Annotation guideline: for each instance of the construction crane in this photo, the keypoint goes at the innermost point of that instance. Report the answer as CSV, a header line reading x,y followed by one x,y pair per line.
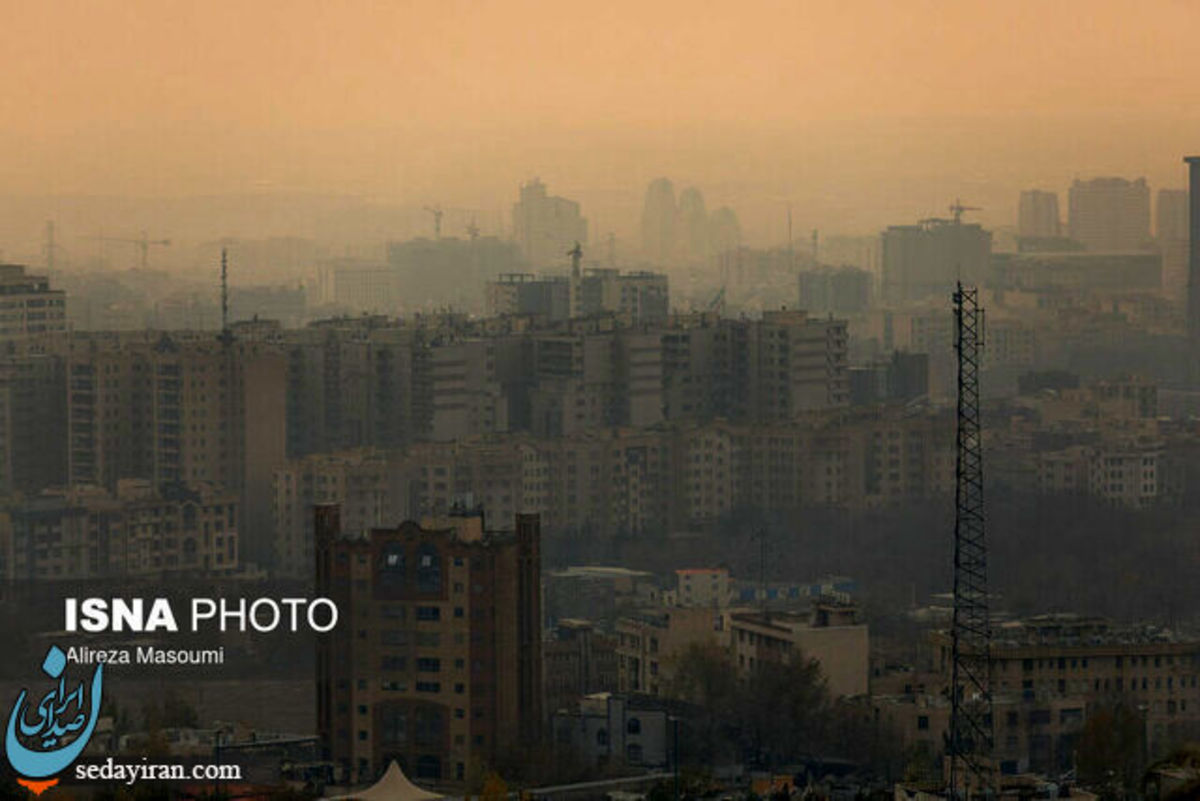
x,y
957,209
969,741
717,304
144,244
436,211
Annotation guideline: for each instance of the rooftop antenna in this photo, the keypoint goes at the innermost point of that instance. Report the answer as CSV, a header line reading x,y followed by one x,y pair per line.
x,y
816,238
436,211
226,335
576,254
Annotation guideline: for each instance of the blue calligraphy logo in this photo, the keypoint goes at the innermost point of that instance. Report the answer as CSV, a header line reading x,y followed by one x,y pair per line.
x,y
59,731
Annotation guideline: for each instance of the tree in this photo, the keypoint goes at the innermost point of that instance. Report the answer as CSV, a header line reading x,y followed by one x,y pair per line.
x,y
1111,753
705,678
783,709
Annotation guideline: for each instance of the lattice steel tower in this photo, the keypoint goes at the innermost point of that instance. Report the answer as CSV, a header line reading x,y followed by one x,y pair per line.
x,y
969,744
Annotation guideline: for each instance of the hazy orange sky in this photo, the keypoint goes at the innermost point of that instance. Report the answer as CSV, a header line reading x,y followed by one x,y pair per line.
x,y
859,113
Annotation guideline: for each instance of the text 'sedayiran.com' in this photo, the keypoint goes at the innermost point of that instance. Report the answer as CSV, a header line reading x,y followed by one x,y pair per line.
x,y
131,773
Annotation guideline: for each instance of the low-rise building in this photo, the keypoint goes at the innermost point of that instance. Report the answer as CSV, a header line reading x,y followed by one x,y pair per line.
x,y
139,531
831,634
579,661
607,729
1049,673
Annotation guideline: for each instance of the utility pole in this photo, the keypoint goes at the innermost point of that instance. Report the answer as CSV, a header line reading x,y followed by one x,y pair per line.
x,y
970,739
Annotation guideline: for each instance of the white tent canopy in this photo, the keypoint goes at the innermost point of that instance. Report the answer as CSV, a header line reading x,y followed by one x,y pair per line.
x,y
392,786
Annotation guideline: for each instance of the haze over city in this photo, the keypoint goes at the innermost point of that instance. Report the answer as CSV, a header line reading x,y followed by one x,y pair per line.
x,y
758,401
858,114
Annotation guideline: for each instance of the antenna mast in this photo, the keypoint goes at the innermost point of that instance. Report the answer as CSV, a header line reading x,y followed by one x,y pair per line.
x,y
971,730
226,335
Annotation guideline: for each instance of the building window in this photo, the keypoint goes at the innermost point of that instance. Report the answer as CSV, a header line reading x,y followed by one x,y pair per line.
x,y
923,722
633,754
428,726
634,726
393,725
429,569
429,767
393,559
602,737
393,637
429,665
429,613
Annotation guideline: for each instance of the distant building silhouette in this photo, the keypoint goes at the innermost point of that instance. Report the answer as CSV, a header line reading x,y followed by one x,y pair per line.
x,y
846,290
546,227
1193,273
929,258
1171,233
1110,214
1037,215
659,214
693,224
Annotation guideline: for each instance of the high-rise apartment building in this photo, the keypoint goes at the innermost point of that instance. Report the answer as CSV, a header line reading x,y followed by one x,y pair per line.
x,y
659,217
171,411
548,297
545,227
693,225
1037,215
799,364
1193,272
356,383
1171,233
28,306
436,662
450,271
846,290
927,260
366,484
33,421
1110,214
640,297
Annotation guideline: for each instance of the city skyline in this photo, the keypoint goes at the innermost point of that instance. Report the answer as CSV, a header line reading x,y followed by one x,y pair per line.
x,y
880,114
